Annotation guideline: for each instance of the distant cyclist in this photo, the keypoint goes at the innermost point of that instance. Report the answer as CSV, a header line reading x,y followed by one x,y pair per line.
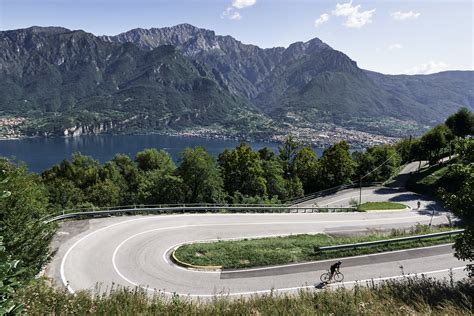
x,y
335,267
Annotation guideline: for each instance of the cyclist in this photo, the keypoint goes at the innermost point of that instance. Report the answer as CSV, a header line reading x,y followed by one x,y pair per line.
x,y
334,267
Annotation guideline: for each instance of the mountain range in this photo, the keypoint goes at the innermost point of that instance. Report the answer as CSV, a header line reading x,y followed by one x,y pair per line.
x,y
183,77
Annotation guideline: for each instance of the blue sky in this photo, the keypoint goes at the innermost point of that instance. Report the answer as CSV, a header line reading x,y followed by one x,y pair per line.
x,y
388,36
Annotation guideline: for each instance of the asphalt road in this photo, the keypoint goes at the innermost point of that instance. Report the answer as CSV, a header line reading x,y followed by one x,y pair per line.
x,y
132,251
395,192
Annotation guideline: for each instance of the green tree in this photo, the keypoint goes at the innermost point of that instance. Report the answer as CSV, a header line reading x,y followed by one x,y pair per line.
x,y
104,193
26,238
377,163
418,151
461,203
131,177
465,149
241,171
288,153
82,170
85,170
364,163
63,193
201,177
9,272
433,142
266,154
3,180
306,166
461,123
9,283
335,166
273,174
159,188
294,187
152,159
405,148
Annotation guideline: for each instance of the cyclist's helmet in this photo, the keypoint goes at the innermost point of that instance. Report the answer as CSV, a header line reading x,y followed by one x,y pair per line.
x,y
339,262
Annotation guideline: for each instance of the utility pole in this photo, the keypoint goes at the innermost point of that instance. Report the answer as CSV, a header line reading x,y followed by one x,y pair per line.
x,y
360,190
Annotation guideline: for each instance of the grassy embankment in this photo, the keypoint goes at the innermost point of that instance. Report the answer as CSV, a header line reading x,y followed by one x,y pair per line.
x,y
421,296
429,180
295,248
372,206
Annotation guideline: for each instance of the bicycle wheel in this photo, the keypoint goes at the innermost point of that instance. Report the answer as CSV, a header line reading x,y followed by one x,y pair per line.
x,y
325,277
338,277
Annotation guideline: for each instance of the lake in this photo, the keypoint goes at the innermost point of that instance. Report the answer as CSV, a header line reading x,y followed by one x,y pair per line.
x,y
42,153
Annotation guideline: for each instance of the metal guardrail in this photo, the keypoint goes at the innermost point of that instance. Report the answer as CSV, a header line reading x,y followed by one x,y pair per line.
x,y
98,209
388,241
203,209
331,191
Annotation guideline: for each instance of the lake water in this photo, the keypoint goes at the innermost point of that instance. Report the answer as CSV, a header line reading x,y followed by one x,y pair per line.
x,y
42,153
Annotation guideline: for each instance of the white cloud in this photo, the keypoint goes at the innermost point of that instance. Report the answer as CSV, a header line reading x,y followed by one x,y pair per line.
x,y
395,46
354,17
400,16
239,4
323,18
428,68
231,14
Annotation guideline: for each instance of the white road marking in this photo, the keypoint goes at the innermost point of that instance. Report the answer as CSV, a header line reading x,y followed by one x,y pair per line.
x,y
399,276
289,289
63,262
334,259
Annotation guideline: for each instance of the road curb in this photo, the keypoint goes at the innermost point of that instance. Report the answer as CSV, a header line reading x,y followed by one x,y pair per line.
x,y
407,208
192,266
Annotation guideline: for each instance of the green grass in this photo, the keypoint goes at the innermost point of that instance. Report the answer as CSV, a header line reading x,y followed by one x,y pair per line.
x,y
291,249
418,296
428,181
370,206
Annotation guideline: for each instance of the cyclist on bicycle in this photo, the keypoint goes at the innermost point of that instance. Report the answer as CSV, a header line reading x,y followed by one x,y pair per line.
x,y
334,267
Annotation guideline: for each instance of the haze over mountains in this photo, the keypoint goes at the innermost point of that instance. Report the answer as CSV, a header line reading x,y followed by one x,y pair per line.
x,y
187,77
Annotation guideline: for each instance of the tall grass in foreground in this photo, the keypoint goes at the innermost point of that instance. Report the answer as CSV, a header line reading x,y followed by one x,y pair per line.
x,y
403,297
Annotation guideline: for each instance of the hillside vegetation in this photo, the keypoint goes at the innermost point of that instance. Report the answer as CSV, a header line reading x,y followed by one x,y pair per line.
x,y
241,175
66,82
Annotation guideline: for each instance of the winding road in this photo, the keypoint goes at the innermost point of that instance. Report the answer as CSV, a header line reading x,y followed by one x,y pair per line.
x,y
134,251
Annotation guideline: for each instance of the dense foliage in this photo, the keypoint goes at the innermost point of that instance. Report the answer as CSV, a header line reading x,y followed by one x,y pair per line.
x,y
240,175
9,283
26,238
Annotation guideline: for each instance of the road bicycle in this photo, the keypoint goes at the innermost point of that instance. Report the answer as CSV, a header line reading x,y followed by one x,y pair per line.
x,y
338,276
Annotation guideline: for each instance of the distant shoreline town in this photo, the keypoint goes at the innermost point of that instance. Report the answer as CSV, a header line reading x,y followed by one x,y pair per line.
x,y
11,128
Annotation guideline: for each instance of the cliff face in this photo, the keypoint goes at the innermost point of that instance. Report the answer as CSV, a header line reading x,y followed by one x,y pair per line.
x,y
94,129
311,79
241,66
